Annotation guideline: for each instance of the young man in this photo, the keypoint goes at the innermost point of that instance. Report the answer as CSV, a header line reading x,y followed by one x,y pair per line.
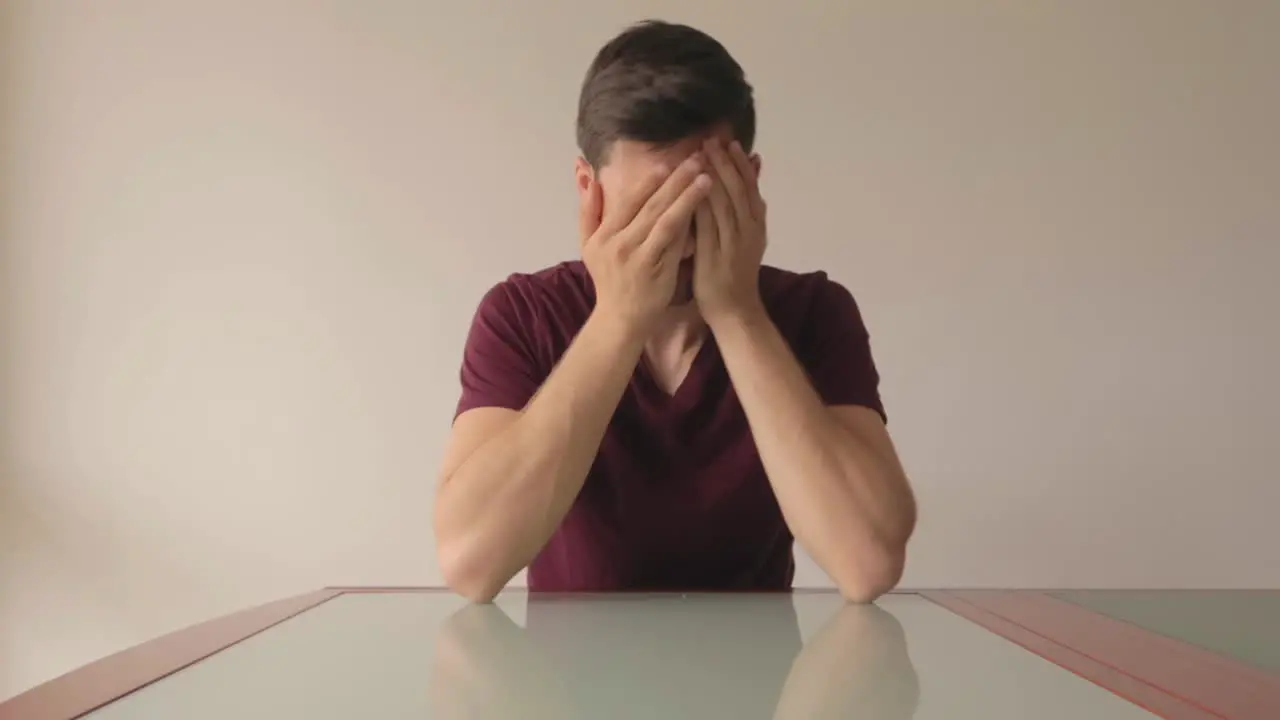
x,y
669,414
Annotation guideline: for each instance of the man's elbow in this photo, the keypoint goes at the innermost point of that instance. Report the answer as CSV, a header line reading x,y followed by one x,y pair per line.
x,y
473,579
866,580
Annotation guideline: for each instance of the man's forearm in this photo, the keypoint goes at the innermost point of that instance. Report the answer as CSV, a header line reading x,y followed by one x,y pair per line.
x,y
507,499
845,503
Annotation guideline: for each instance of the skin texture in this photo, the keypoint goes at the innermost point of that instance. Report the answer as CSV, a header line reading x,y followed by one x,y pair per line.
x,y
673,238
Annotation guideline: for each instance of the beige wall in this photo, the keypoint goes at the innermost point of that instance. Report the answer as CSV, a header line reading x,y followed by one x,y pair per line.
x,y
241,243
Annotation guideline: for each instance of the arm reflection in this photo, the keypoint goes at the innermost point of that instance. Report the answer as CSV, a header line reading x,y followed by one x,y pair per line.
x,y
694,659
485,667
856,666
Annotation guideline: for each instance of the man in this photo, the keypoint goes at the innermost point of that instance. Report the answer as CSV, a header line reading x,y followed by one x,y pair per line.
x,y
668,414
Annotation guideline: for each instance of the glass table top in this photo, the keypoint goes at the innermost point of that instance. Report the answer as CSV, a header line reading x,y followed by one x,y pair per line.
x,y
1241,624
432,655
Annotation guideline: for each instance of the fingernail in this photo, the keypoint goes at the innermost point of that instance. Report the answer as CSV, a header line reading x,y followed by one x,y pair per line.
x,y
735,146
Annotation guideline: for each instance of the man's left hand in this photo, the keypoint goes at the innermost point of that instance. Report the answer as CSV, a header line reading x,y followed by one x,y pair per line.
x,y
730,238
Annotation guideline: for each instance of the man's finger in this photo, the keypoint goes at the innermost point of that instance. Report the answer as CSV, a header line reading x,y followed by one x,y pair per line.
x,y
708,235
635,197
670,258
589,213
732,180
722,211
666,196
674,221
748,173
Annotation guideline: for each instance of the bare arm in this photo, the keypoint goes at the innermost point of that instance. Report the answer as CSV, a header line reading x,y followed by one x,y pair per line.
x,y
833,469
832,466
510,477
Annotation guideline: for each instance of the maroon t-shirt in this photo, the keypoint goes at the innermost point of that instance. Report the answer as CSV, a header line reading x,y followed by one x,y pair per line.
x,y
677,498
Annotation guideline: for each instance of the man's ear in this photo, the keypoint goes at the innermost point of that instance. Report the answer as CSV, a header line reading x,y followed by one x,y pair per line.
x,y
755,163
582,174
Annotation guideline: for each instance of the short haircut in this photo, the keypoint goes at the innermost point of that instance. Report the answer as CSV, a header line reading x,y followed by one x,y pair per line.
x,y
659,83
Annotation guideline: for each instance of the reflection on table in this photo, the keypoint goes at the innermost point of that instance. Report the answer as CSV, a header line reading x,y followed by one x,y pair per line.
x,y
673,659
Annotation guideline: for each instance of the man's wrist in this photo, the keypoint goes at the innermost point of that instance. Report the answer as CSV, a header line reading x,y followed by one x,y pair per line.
x,y
745,318
613,335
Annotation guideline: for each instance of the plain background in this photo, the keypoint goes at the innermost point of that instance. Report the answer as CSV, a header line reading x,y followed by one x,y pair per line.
x,y
242,241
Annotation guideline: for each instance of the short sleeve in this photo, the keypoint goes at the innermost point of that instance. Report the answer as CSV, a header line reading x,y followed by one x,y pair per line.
x,y
499,363
838,351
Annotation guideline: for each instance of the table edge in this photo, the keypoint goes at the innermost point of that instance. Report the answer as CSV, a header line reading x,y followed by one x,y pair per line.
x,y
1068,635
360,589
103,681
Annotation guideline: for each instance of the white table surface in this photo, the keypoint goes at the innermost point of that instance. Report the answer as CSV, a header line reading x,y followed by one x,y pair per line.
x,y
432,655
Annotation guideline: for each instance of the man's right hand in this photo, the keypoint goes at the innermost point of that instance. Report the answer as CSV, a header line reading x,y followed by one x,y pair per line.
x,y
509,477
632,251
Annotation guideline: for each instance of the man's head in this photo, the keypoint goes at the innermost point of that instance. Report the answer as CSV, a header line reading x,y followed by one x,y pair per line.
x,y
659,83
650,98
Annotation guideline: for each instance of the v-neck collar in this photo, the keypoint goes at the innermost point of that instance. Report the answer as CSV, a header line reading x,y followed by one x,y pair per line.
x,y
691,386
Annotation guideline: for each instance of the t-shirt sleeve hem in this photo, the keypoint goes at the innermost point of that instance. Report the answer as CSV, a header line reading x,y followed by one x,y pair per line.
x,y
875,405
481,403
500,366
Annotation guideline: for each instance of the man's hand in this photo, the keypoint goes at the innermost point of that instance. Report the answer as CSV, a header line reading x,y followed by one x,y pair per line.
x,y
631,252
730,237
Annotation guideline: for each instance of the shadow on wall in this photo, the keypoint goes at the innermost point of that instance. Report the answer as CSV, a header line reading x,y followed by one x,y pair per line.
x,y
7,300
7,303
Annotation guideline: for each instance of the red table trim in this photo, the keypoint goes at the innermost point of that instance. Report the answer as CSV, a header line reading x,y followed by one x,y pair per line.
x,y
1122,657
1170,678
84,690
104,681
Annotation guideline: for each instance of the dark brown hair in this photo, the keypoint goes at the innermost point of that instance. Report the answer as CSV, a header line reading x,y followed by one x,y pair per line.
x,y
660,83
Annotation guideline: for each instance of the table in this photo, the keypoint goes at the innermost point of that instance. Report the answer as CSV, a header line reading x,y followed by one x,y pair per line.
x,y
425,653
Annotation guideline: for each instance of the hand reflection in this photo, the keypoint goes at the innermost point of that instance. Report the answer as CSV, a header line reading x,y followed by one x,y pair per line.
x,y
697,658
